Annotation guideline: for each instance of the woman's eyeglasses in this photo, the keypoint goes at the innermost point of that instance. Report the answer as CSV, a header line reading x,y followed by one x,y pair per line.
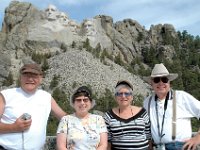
x,y
79,100
120,94
158,79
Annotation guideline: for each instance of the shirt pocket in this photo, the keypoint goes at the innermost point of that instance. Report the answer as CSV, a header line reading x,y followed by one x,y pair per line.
x,y
168,114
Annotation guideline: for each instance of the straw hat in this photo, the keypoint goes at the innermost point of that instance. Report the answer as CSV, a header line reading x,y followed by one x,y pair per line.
x,y
160,70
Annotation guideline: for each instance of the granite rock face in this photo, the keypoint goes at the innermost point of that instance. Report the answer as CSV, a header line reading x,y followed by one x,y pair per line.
x,y
27,30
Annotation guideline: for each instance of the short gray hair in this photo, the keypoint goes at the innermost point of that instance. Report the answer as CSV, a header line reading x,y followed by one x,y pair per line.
x,y
118,88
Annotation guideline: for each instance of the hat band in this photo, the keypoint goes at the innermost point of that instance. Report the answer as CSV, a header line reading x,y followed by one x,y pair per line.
x,y
160,74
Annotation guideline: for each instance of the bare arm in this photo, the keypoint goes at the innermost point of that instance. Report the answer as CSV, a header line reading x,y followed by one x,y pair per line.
x,y
61,141
192,143
18,126
103,141
150,145
2,105
56,110
109,146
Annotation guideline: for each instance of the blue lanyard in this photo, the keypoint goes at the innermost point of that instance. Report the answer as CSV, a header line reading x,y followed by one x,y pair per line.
x,y
160,133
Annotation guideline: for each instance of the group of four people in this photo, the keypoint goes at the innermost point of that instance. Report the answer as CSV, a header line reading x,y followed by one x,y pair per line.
x,y
163,123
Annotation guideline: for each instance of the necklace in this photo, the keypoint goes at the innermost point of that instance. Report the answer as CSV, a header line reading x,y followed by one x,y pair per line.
x,y
122,130
131,112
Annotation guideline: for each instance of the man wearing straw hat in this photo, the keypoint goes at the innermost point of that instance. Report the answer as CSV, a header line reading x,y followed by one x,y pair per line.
x,y
170,112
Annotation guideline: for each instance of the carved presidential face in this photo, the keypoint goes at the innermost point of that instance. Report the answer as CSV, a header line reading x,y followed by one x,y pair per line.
x,y
51,12
63,18
73,26
89,28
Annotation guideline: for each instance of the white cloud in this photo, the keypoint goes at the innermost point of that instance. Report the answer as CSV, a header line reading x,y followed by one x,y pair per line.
x,y
182,14
78,2
179,13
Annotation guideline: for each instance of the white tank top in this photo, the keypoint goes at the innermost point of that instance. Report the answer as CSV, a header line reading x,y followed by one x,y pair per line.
x,y
38,105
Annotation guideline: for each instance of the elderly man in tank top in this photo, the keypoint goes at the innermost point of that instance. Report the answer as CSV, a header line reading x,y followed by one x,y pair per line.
x,y
19,132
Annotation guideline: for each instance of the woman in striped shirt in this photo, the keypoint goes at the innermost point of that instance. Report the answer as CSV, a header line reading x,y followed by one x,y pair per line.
x,y
128,126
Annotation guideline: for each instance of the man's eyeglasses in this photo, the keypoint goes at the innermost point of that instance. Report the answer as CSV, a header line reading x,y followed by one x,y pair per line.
x,y
120,94
30,75
79,100
158,79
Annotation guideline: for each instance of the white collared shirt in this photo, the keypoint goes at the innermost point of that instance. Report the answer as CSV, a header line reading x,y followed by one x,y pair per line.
x,y
186,107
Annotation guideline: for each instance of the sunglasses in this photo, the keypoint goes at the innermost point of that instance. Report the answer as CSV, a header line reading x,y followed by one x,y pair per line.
x,y
79,100
126,94
158,79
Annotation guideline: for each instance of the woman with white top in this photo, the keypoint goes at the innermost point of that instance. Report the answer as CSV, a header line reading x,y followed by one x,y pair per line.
x,y
82,130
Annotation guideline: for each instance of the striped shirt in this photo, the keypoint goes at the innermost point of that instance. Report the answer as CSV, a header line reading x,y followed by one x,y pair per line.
x,y
128,134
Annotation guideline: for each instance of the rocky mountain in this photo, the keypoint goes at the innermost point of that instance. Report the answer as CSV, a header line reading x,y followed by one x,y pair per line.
x,y
79,53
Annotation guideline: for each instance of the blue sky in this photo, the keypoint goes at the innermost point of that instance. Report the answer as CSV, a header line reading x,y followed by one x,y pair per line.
x,y
182,14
